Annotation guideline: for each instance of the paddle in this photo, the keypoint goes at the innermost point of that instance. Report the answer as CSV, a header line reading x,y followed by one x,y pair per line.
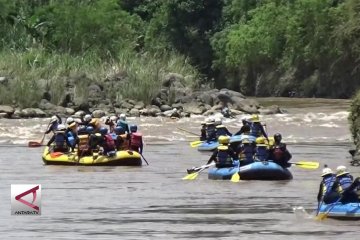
x,y
144,158
306,165
182,129
236,176
193,175
39,144
196,143
323,216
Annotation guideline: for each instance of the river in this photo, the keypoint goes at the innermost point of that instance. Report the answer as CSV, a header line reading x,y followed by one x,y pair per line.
x,y
153,202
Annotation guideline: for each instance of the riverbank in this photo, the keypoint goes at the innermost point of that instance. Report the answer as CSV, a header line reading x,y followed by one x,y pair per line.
x,y
174,98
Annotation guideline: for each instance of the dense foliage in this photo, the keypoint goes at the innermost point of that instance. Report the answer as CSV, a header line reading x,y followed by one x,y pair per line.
x,y
261,47
354,119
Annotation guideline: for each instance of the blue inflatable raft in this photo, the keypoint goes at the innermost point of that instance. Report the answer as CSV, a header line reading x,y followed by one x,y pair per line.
x,y
212,145
348,211
254,171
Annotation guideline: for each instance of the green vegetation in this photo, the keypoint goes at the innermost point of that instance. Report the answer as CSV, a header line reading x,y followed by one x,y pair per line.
x,y
261,47
354,119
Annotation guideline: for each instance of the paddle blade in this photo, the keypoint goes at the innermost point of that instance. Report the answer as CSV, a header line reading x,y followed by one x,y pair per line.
x,y
321,216
196,143
235,177
191,176
307,165
34,144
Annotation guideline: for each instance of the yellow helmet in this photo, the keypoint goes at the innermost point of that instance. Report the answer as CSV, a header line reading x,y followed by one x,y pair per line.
x,y
260,140
255,118
224,140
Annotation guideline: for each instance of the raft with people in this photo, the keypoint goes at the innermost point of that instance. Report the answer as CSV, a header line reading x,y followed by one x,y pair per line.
x,y
121,158
338,210
259,170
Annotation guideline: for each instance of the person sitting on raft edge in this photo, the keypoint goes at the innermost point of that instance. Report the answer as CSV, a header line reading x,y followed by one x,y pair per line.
x,y
327,193
279,153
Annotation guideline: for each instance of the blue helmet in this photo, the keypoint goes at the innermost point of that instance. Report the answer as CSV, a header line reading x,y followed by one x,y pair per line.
x,y
119,130
89,129
133,128
103,130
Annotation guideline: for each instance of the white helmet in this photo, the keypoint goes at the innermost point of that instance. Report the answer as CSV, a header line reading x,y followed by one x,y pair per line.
x,y
326,171
69,120
113,118
341,170
61,127
54,119
87,117
123,116
218,121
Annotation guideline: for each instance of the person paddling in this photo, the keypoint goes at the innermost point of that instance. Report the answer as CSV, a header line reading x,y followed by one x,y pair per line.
x,y
344,185
327,192
279,153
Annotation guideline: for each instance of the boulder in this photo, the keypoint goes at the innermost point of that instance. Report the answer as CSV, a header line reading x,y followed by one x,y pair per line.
x,y
98,113
245,105
32,113
154,111
79,114
8,110
119,111
157,101
169,113
139,105
193,108
126,105
4,80
274,109
134,112
144,112
46,105
69,111
16,114
165,107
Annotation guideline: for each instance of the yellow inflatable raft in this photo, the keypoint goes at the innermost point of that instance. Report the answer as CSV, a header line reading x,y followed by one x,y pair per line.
x,y
122,158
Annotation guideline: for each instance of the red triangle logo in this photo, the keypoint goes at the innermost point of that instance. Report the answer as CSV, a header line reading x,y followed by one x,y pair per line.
x,y
33,191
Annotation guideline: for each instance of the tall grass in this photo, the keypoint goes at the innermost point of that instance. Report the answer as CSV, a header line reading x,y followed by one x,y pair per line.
x,y
35,71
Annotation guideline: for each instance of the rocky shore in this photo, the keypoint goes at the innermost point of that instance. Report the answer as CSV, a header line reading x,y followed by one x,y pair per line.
x,y
174,99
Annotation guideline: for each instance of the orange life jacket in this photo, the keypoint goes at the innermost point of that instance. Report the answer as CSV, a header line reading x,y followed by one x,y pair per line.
x,y
136,139
83,142
125,144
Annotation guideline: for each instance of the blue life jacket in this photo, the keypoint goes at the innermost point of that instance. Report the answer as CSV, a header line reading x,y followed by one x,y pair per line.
x,y
60,139
70,137
223,157
221,131
328,183
247,152
262,153
255,129
344,182
124,125
211,132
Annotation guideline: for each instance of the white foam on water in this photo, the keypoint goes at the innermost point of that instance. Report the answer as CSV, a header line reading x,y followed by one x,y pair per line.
x,y
329,125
